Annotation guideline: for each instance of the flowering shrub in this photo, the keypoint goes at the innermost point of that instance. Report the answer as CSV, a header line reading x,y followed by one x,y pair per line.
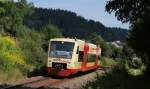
x,y
10,54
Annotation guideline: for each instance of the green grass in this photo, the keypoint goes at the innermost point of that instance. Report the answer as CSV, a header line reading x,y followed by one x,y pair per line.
x,y
105,61
11,75
13,65
135,67
119,78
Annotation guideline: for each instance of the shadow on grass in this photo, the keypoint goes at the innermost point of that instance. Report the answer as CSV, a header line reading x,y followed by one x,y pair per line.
x,y
38,72
119,79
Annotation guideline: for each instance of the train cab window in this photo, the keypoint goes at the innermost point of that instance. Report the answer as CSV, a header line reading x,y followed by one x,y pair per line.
x,y
60,49
80,56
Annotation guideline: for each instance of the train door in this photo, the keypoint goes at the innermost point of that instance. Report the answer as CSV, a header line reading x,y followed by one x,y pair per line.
x,y
85,56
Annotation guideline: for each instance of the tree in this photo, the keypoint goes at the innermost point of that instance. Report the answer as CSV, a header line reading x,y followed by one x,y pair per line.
x,y
139,38
137,13
72,25
129,10
12,15
51,31
29,41
106,50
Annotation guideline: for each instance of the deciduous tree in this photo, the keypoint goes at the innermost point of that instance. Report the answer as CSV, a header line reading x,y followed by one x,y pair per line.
x,y
137,13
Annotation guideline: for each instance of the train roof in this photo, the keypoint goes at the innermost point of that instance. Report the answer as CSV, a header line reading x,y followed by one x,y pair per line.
x,y
63,39
71,40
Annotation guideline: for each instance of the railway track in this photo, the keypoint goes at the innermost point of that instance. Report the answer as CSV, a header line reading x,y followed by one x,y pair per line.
x,y
38,82
77,82
41,82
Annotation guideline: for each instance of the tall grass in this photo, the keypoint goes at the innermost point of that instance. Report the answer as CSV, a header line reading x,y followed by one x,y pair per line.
x,y
119,78
135,67
11,75
11,59
105,61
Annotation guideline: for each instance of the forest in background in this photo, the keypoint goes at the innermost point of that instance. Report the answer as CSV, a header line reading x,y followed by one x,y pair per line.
x,y
72,25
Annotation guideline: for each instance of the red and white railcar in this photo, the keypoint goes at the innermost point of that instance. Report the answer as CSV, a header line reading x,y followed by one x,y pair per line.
x,y
70,56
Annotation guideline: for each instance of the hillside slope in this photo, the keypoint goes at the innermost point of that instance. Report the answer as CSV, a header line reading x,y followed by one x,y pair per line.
x,y
72,25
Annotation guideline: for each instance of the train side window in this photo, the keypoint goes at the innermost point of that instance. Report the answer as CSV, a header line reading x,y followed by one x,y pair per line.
x,y
91,57
77,50
98,57
80,56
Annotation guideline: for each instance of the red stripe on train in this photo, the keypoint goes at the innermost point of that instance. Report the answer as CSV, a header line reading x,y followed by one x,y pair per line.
x,y
85,56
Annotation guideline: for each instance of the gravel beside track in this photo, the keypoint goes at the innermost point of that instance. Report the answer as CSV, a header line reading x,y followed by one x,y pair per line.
x,y
41,82
77,82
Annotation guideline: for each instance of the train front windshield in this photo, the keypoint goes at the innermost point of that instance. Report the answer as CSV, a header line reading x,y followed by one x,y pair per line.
x,y
60,49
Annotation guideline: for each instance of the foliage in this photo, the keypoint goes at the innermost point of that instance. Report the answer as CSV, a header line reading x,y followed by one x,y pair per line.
x,y
139,38
30,41
129,10
12,59
11,75
13,14
24,51
105,62
72,25
137,12
118,78
111,80
51,31
106,50
117,53
135,67
4,0
31,45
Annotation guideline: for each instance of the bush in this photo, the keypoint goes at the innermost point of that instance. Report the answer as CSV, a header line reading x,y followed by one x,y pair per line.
x,y
31,43
106,49
10,54
119,78
135,67
24,51
113,80
107,62
11,59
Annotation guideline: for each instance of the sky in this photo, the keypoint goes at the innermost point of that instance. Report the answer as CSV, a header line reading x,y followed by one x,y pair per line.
x,y
89,9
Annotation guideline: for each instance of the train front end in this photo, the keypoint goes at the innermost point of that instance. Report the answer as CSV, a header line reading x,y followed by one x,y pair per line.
x,y
60,55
